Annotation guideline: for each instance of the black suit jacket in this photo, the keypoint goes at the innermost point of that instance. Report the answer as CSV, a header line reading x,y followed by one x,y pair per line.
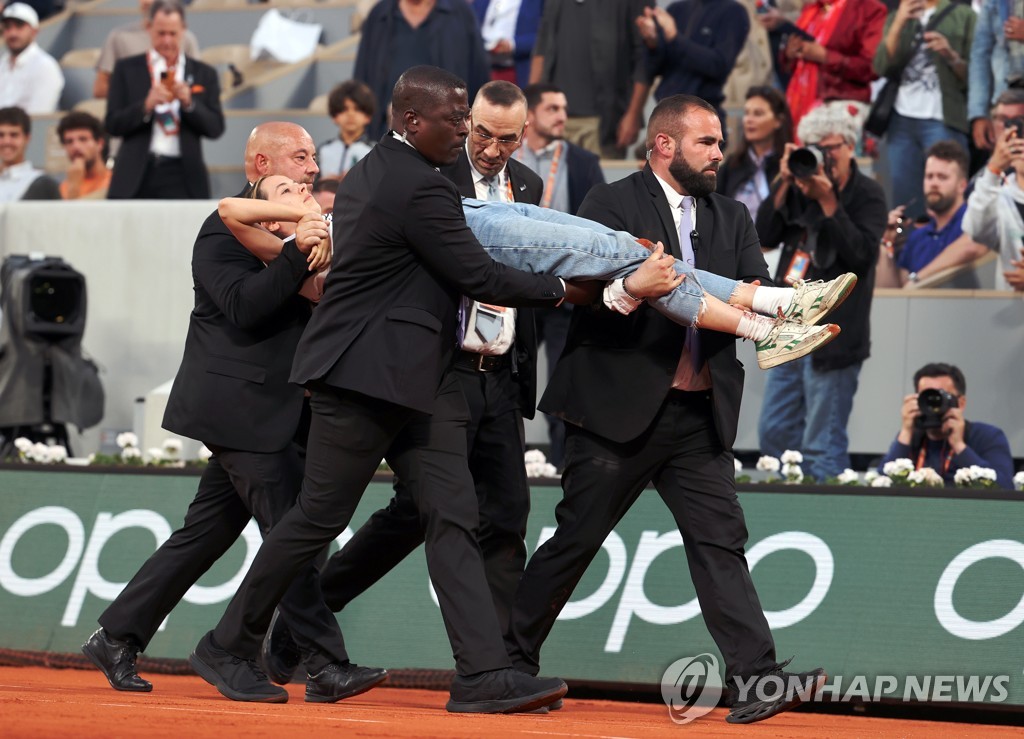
x,y
616,370
241,340
527,187
584,172
386,325
130,82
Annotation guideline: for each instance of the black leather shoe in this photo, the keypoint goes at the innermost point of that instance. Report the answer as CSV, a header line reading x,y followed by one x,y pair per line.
x,y
116,660
280,653
774,692
503,691
236,678
338,681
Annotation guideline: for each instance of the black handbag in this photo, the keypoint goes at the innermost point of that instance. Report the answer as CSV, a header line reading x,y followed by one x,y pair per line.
x,y
882,108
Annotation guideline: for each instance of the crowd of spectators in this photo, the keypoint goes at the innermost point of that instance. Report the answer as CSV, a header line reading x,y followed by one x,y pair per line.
x,y
781,73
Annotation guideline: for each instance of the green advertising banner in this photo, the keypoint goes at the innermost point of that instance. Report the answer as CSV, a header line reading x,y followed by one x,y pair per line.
x,y
898,597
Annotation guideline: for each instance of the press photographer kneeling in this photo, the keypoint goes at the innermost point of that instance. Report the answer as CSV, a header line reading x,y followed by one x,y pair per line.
x,y
935,434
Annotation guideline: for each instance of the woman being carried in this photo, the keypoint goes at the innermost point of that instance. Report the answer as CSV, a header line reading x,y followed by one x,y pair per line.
x,y
542,240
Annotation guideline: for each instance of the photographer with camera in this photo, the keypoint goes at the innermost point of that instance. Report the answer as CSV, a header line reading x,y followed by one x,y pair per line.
x,y
828,218
937,242
935,434
995,210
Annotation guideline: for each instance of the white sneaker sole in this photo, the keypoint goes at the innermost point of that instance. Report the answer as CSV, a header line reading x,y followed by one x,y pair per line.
x,y
840,293
802,349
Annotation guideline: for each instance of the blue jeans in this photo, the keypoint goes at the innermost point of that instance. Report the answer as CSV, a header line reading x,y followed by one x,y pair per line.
x,y
807,410
544,240
909,139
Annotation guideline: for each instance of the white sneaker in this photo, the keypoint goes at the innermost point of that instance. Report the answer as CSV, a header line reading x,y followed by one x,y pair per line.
x,y
812,301
790,340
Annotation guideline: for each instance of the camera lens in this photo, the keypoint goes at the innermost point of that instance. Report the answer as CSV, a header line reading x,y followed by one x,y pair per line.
x,y
804,162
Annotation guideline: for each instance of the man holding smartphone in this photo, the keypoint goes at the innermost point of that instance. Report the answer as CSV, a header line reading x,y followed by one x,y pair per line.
x,y
163,103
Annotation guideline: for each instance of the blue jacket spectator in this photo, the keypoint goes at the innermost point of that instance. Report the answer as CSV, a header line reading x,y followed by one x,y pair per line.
x,y
994,65
693,45
447,37
524,33
952,443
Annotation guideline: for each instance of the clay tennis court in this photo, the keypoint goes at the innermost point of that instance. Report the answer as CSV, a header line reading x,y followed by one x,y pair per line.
x,y
43,702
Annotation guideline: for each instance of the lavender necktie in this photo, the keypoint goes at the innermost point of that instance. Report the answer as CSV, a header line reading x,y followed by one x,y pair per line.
x,y
692,344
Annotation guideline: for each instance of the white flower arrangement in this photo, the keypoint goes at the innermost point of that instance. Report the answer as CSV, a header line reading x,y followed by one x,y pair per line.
x,y
768,464
791,456
1018,481
975,476
870,476
172,448
738,465
898,470
204,453
537,464
39,453
925,477
131,455
881,481
792,473
848,477
127,439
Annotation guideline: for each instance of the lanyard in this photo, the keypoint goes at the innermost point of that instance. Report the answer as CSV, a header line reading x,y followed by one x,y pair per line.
x,y
549,186
945,462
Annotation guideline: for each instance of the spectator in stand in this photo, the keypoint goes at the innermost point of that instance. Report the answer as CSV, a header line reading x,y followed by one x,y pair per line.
x,y
29,77
692,46
399,34
605,82
948,442
19,180
930,40
778,17
324,191
509,30
81,135
753,67
163,103
828,223
568,172
940,243
351,106
748,172
997,62
130,39
44,8
995,209
830,54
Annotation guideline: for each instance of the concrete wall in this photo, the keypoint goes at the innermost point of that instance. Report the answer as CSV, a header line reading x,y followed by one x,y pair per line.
x,y
136,260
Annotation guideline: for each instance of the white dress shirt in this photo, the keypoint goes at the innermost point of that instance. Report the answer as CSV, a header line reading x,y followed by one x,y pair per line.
x,y
16,179
32,80
482,333
166,140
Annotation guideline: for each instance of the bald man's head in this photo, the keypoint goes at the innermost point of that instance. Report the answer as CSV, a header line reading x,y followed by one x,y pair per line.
x,y
280,148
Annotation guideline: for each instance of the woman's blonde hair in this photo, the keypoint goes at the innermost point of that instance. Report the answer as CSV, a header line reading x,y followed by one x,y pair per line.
x,y
256,193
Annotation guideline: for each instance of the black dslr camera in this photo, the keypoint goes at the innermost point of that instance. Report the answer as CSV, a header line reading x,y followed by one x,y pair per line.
x,y
933,404
805,161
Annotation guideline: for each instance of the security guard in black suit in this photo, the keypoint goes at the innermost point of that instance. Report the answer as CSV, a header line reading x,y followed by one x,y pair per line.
x,y
640,407
232,391
376,357
498,379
